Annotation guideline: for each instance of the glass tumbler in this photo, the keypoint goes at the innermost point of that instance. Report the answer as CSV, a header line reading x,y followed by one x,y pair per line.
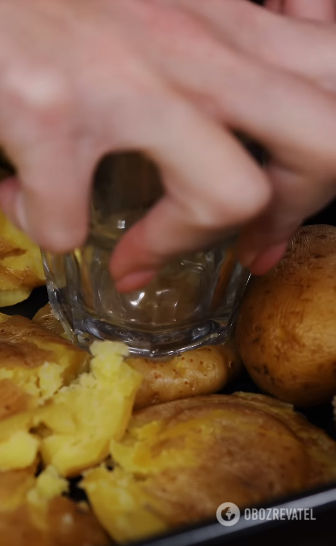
x,y
191,302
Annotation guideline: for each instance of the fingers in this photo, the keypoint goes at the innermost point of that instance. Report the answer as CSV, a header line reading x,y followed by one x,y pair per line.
x,y
305,49
9,192
301,185
264,241
323,10
288,115
50,197
175,95
52,202
295,197
274,5
211,185
293,119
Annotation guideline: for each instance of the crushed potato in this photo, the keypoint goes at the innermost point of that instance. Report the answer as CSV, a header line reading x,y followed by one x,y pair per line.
x,y
84,417
47,486
35,360
74,429
179,461
33,511
146,471
21,267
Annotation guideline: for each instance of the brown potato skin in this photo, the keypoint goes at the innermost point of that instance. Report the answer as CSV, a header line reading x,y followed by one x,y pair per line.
x,y
64,524
286,326
21,267
46,318
14,486
201,371
25,344
190,456
13,400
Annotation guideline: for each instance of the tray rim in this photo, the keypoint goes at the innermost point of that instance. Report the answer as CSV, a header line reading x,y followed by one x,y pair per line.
x,y
321,499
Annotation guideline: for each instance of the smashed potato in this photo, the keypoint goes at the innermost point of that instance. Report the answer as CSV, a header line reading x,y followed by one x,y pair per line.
x,y
84,417
34,364
45,317
21,267
286,326
15,485
201,371
173,463
13,399
73,430
180,460
62,523
32,511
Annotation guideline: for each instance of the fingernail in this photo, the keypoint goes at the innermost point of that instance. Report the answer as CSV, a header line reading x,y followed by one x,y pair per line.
x,y
20,213
134,281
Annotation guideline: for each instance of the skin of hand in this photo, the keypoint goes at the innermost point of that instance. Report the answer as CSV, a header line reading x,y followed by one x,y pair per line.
x,y
172,79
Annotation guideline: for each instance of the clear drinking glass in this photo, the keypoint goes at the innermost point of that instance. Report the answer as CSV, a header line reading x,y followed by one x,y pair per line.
x,y
192,301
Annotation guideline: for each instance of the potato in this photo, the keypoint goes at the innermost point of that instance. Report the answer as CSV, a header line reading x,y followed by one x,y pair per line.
x,y
36,514
201,371
21,267
63,523
83,418
13,399
179,461
34,363
73,430
286,326
45,317
14,486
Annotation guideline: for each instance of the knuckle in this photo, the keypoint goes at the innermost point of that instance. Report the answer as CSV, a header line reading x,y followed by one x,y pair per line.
x,y
42,93
231,207
58,240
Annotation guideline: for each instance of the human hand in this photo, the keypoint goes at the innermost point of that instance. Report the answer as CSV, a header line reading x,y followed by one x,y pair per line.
x,y
303,44
80,79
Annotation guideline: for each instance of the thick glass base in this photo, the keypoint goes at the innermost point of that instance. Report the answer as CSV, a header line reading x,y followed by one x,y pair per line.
x,y
84,328
165,344
192,302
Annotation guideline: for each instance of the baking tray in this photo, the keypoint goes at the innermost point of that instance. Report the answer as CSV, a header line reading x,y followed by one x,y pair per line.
x,y
322,500
321,531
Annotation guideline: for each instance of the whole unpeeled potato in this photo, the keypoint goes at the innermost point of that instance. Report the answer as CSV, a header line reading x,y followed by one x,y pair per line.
x,y
286,330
